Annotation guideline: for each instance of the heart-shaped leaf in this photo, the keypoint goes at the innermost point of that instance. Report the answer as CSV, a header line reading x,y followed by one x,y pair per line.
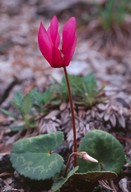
x,y
34,158
105,148
60,181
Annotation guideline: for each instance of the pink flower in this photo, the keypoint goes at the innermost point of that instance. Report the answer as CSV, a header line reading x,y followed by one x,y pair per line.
x,y
49,42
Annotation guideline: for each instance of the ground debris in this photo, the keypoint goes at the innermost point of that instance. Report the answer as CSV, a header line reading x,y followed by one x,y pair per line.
x,y
23,68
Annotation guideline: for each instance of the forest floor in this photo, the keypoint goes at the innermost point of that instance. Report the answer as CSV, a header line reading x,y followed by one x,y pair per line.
x,y
22,68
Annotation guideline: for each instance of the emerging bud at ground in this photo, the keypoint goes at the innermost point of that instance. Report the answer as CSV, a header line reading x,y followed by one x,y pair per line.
x,y
49,42
86,157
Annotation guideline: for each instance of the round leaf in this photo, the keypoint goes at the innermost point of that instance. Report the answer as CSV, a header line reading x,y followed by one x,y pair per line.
x,y
105,148
33,157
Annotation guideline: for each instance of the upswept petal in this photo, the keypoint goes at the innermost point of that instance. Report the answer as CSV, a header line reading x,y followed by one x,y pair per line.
x,y
68,35
57,58
70,52
45,43
57,40
53,31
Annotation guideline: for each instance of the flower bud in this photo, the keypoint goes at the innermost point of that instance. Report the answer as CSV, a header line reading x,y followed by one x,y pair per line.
x,y
86,157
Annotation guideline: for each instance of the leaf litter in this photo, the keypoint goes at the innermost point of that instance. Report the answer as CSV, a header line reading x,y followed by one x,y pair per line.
x,y
26,69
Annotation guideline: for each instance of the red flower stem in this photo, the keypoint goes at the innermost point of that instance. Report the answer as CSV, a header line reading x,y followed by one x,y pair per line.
x,y
75,154
73,116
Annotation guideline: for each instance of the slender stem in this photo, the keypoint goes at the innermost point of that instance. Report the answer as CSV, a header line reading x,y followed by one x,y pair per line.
x,y
75,154
73,115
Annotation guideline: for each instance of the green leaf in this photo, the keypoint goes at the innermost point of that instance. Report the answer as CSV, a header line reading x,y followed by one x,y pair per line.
x,y
90,87
36,97
17,127
61,89
34,158
105,148
83,89
96,175
48,95
41,99
22,103
8,113
30,123
26,104
76,84
113,13
17,100
60,181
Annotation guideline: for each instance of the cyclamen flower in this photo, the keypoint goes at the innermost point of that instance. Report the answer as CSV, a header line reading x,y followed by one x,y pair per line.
x,y
49,42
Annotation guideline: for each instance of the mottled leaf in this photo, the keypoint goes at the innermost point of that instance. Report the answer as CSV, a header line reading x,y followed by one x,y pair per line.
x,y
34,158
105,148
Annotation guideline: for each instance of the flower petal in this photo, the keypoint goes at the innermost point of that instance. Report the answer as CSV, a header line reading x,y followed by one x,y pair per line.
x,y
53,31
45,43
70,52
57,58
49,41
69,35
